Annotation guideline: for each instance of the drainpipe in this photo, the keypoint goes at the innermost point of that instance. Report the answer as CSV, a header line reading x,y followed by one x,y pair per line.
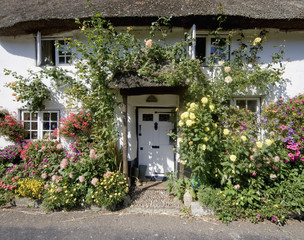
x,y
125,135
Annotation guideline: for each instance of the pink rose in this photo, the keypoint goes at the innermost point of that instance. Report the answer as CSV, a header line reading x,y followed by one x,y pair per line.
x,y
237,186
81,179
149,43
273,176
94,181
43,175
59,189
64,163
107,174
59,146
276,158
71,175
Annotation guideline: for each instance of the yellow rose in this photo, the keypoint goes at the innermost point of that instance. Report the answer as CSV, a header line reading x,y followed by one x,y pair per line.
x,y
243,138
180,139
189,123
232,158
204,147
256,41
259,144
192,116
193,105
204,100
183,162
268,142
226,131
180,123
207,129
190,143
184,115
227,69
211,108
205,139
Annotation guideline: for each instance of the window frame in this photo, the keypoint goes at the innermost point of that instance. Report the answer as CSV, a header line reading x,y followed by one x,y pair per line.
x,y
39,60
209,45
195,34
40,121
258,99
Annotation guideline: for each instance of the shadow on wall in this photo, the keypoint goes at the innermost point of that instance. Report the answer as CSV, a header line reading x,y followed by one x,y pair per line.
x,y
277,92
19,46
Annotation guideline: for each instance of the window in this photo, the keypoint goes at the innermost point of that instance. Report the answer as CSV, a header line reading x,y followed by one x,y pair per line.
x,y
252,104
49,54
39,125
207,46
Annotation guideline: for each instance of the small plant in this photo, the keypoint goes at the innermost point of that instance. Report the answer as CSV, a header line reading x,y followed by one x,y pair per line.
x,y
10,127
30,187
110,190
63,195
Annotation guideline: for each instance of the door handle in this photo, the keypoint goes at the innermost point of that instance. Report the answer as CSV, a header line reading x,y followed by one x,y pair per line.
x,y
155,126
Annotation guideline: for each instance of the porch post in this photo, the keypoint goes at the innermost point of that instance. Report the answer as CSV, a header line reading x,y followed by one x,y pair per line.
x,y
181,166
125,135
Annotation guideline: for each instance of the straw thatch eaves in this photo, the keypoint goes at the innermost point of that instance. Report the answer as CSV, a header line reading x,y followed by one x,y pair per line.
x,y
127,80
49,16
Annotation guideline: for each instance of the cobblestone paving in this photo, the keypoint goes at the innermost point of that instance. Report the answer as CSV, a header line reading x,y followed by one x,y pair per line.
x,y
154,199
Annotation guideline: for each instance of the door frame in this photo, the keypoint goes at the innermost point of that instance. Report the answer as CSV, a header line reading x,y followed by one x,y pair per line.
x,y
137,120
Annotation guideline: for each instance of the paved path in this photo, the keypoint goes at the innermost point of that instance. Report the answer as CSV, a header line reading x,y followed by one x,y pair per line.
x,y
25,223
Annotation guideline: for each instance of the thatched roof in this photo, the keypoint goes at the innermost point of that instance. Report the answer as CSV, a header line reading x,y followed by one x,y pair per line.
x,y
27,16
127,80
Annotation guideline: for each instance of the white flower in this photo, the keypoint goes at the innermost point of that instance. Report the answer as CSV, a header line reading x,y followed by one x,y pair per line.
x,y
221,63
228,79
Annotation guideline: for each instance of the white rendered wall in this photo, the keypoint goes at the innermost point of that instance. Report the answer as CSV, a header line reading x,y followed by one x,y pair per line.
x,y
19,54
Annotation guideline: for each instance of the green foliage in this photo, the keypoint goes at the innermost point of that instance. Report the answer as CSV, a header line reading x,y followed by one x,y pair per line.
x,y
208,196
178,186
29,90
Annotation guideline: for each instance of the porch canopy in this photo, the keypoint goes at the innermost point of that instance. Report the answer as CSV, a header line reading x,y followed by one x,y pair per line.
x,y
130,83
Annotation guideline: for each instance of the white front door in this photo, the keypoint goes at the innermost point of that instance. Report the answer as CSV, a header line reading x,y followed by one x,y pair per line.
x,y
155,147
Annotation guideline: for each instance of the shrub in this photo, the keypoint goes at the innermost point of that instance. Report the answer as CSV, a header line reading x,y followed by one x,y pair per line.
x,y
30,187
42,157
110,190
64,194
10,154
10,127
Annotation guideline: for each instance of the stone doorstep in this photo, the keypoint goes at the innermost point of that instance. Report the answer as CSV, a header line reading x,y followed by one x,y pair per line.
x,y
198,210
26,202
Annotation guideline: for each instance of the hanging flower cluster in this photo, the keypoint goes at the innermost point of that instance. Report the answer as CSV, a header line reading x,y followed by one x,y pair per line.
x,y
11,127
75,125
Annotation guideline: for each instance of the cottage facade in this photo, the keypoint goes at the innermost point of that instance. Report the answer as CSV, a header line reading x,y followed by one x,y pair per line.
x,y
29,30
